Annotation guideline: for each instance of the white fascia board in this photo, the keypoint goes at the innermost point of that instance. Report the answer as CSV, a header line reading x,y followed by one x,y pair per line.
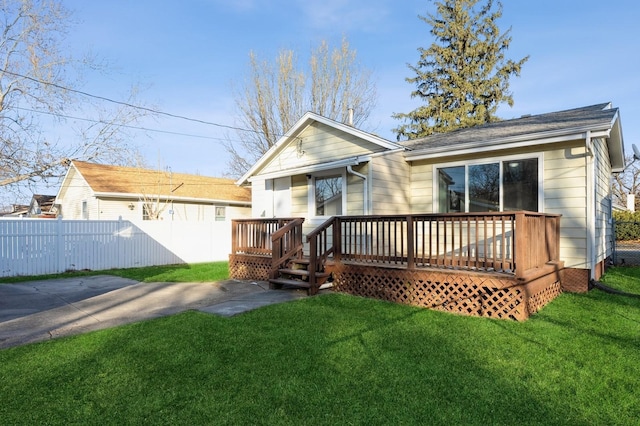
x,y
137,197
353,161
505,143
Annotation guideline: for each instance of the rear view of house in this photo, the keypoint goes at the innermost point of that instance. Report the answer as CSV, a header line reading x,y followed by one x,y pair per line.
x,y
555,165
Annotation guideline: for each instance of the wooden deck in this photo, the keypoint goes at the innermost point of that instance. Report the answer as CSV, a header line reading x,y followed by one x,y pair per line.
x,y
503,265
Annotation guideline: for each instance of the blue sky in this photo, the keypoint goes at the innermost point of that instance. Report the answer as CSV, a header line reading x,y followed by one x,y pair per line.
x,y
186,55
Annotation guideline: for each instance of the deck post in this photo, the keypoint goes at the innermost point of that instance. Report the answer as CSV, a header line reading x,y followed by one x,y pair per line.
x,y
519,245
313,264
337,239
410,244
234,237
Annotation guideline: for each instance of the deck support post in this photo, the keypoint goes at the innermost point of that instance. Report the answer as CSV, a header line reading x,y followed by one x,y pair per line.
x,y
411,263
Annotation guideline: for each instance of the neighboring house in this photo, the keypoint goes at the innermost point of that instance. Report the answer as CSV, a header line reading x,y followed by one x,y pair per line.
x,y
43,206
556,163
105,192
17,210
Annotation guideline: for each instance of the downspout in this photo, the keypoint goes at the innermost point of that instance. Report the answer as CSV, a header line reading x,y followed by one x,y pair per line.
x,y
365,192
591,219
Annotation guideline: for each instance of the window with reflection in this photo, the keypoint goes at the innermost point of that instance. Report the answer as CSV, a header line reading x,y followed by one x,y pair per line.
x,y
489,187
329,196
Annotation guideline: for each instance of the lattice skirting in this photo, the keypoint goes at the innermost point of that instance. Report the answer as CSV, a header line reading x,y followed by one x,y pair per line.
x,y
248,267
485,295
575,280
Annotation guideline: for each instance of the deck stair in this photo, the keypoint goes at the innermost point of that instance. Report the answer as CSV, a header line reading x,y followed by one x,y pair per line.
x,y
296,274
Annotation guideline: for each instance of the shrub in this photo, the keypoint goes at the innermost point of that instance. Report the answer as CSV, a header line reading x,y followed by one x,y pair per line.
x,y
627,225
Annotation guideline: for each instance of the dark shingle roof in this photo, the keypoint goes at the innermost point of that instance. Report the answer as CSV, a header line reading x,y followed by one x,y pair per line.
x,y
591,117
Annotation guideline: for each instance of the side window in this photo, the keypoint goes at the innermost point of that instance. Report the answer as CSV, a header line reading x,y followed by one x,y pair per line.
x,y
85,210
500,186
484,188
328,196
146,212
221,214
451,189
520,185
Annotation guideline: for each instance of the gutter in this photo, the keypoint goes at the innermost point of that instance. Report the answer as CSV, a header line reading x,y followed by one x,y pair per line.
x,y
509,142
310,169
365,192
591,219
132,196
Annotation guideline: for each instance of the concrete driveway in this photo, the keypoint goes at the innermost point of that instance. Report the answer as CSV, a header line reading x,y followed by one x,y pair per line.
x,y
42,310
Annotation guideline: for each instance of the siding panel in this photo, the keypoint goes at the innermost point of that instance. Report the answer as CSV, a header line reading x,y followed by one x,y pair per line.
x,y
318,144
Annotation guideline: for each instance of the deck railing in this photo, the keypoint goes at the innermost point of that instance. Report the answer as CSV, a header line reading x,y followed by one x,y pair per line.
x,y
510,242
253,236
322,245
517,243
286,244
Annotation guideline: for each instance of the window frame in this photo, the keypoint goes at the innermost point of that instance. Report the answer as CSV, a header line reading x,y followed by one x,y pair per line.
x,y
85,210
311,195
488,160
223,216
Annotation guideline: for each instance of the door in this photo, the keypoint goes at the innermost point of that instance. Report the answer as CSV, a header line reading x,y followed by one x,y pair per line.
x,y
282,197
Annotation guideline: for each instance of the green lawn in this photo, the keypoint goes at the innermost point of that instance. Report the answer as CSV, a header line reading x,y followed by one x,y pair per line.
x,y
338,359
197,272
623,278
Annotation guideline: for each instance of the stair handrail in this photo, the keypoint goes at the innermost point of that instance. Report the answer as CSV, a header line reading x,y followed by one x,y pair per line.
x,y
286,244
320,249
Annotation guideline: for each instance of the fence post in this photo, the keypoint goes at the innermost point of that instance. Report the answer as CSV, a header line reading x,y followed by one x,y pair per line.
x,y
60,245
614,255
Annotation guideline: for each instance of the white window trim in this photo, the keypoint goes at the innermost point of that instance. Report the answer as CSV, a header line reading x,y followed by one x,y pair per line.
x,y
311,194
489,160
217,218
84,213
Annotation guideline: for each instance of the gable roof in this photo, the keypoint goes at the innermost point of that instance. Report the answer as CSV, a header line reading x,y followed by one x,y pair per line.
x,y
43,200
305,121
108,180
599,120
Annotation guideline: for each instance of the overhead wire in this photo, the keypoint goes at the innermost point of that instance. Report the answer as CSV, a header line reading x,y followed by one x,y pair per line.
x,y
139,107
128,126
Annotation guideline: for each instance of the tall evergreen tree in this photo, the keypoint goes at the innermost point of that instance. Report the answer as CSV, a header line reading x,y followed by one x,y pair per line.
x,y
463,76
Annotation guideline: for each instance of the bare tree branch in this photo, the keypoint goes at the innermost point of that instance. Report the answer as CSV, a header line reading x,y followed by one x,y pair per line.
x,y
34,72
275,95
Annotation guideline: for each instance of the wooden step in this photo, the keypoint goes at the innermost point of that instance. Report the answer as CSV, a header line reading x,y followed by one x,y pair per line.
x,y
301,261
302,273
279,282
306,261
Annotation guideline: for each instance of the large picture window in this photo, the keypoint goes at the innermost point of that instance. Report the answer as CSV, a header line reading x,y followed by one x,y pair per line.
x,y
497,186
329,196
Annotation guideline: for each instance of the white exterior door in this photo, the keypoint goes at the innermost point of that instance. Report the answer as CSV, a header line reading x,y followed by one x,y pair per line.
x,y
282,197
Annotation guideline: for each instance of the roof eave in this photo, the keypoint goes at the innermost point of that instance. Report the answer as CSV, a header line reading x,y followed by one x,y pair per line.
x,y
128,195
300,125
615,144
517,141
351,161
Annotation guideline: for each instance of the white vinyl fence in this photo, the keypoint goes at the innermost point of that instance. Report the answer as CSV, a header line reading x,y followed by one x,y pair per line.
x,y
46,246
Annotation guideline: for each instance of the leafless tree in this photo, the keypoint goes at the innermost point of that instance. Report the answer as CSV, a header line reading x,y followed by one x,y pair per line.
x,y
38,90
627,182
275,95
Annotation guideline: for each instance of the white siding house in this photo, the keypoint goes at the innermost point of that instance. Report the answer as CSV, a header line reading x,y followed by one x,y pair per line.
x,y
104,192
560,163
